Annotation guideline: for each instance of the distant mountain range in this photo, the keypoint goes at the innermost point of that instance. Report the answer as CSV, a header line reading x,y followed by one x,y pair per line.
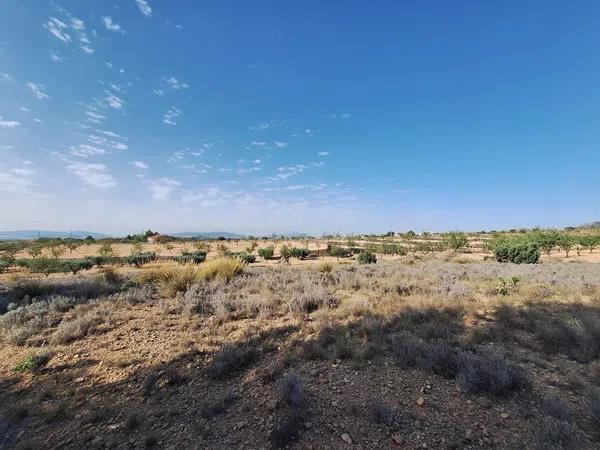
x,y
207,234
34,234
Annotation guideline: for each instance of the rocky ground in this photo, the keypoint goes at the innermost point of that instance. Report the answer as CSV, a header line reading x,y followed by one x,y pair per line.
x,y
152,374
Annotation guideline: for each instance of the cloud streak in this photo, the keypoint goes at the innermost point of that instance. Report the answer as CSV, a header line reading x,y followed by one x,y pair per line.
x,y
144,7
38,90
94,174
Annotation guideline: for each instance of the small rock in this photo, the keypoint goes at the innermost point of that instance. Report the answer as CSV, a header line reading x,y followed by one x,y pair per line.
x,y
484,403
504,415
420,401
346,438
79,380
469,435
272,404
397,439
334,404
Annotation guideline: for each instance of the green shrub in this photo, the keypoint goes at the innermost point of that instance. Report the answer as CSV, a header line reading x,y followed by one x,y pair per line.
x,y
76,265
285,252
366,258
4,265
139,259
196,257
518,252
266,252
546,239
337,251
243,256
300,253
33,362
455,240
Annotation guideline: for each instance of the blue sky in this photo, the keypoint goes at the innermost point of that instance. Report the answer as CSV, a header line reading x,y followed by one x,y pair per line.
x,y
279,116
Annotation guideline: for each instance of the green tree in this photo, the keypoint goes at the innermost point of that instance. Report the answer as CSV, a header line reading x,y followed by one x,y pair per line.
x,y
589,241
105,250
266,252
56,250
35,250
565,242
547,240
455,240
73,244
285,252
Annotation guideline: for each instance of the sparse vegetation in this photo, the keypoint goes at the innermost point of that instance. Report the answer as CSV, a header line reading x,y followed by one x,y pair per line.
x,y
223,330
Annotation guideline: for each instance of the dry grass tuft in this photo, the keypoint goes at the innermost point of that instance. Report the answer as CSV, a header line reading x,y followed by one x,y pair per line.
x,y
178,278
222,268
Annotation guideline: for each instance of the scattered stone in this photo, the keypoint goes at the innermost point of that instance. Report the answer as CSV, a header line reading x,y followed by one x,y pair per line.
x,y
420,401
346,438
397,439
469,435
504,415
484,402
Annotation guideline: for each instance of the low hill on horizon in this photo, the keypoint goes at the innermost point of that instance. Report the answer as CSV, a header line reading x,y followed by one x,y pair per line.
x,y
35,234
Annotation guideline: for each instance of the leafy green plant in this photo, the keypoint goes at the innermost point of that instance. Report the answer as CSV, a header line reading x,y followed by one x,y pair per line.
x,y
139,259
196,257
105,250
506,285
243,256
266,252
300,253
455,240
517,252
285,252
565,242
33,362
546,239
366,258
35,250
337,251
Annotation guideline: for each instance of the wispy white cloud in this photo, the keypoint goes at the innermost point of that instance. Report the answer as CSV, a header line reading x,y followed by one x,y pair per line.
x,y
110,25
94,174
22,108
144,7
36,120
267,125
176,84
140,164
280,144
86,150
118,143
17,181
323,153
55,57
6,77
243,170
68,29
58,29
158,92
207,196
162,188
38,90
175,157
340,116
289,171
9,123
94,116
171,115
114,101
